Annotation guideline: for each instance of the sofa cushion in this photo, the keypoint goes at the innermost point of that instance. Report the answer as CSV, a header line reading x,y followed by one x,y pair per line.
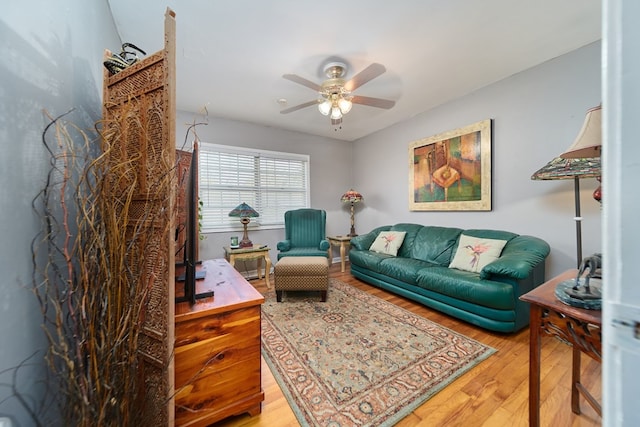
x,y
388,242
367,259
467,286
490,234
474,253
407,245
435,244
403,269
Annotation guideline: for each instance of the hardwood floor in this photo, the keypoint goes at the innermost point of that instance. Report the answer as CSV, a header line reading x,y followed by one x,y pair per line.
x,y
494,393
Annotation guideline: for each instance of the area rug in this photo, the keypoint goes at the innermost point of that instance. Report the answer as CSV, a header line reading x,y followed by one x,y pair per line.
x,y
357,360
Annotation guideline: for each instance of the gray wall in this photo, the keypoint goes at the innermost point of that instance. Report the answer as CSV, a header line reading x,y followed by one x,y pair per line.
x,y
330,172
51,59
536,116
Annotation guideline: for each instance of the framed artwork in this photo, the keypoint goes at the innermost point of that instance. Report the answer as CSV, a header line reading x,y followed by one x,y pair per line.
x,y
451,171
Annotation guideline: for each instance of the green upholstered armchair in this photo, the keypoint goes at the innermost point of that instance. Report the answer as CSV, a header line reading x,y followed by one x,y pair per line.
x,y
304,234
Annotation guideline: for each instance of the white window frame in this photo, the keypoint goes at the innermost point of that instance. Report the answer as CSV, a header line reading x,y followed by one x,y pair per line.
x,y
229,175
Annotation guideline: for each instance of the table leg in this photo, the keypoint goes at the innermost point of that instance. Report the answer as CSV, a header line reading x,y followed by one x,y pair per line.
x,y
342,255
232,260
267,270
575,380
259,268
535,314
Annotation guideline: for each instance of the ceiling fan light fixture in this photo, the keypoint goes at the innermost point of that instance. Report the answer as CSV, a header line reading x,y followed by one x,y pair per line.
x,y
345,105
325,107
334,95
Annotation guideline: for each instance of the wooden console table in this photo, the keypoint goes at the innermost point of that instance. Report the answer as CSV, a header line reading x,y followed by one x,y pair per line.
x,y
258,252
579,327
343,242
217,349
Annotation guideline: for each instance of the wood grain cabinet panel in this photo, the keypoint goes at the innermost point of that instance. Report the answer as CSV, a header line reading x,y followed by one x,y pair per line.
x,y
217,350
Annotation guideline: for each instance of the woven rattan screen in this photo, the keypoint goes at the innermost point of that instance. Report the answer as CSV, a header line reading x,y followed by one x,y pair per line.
x,y
139,137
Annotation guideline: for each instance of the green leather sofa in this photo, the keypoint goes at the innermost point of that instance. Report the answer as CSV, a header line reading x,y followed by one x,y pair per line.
x,y
420,272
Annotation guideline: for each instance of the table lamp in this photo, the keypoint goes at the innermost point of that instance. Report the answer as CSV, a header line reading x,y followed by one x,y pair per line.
x,y
245,213
352,197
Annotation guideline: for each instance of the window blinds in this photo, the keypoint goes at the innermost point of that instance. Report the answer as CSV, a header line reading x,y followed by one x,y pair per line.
x,y
270,182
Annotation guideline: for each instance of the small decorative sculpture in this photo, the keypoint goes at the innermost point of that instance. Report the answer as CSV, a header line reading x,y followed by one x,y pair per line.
x,y
576,293
590,265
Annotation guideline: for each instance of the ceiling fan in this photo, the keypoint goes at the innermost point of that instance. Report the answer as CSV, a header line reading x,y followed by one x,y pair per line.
x,y
336,97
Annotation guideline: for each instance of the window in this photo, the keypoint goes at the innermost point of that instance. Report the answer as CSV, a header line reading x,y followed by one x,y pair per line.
x,y
270,182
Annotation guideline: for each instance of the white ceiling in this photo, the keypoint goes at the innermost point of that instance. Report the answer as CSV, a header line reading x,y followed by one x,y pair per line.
x,y
231,55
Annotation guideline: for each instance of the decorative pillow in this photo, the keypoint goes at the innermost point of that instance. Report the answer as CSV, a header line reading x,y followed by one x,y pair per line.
x,y
388,242
474,253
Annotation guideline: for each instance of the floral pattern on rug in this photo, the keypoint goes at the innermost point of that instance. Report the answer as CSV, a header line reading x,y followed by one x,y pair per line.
x,y
357,360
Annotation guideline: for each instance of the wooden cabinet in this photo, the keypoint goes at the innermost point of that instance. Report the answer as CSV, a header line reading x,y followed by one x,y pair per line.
x,y
217,350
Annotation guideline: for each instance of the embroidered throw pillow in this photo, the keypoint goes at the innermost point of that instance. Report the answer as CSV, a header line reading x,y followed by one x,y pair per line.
x,y
388,242
474,253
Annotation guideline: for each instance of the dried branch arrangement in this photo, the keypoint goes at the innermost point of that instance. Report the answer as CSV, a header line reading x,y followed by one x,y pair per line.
x,y
93,271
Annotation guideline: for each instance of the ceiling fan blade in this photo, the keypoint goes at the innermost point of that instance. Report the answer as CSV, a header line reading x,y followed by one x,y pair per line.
x,y
369,73
304,82
373,102
299,107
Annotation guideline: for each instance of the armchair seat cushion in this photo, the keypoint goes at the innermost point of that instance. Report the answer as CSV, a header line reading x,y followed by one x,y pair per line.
x,y
303,252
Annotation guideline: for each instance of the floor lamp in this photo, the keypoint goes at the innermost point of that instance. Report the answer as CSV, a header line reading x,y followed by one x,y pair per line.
x,y
581,160
575,169
352,197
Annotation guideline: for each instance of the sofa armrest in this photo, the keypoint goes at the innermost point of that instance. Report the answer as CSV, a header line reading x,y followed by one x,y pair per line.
x,y
324,245
364,241
284,245
518,258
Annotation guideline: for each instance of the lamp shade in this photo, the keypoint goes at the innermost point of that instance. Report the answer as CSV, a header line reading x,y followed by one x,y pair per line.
x,y
588,143
560,168
345,105
243,210
351,196
325,107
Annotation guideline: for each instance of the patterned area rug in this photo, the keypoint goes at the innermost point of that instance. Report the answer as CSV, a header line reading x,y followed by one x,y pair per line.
x,y
357,360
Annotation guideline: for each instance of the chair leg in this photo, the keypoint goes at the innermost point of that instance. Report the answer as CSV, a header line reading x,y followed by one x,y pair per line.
x,y
278,296
323,296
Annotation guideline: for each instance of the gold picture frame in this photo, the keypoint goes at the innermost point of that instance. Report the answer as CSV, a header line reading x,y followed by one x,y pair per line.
x,y
451,171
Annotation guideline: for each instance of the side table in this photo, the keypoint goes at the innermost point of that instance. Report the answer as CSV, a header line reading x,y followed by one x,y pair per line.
x,y
343,242
258,252
577,326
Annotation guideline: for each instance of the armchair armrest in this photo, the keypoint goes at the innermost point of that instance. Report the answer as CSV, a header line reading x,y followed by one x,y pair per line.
x,y
518,258
324,245
284,245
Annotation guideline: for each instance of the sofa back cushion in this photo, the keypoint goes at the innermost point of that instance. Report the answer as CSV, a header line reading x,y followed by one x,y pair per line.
x,y
411,231
435,244
490,234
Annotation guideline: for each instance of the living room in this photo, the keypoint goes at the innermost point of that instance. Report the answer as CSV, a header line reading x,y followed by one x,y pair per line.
x,y
536,115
